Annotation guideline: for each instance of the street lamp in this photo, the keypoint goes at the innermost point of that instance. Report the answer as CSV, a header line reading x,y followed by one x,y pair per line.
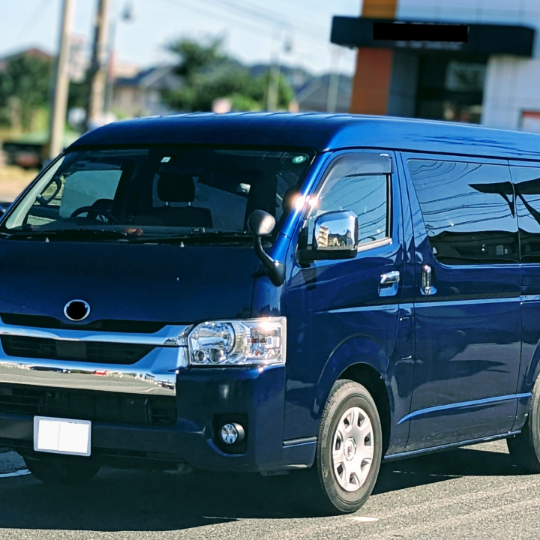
x,y
127,15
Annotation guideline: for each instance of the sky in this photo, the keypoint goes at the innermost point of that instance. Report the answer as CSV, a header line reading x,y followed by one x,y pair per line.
x,y
254,30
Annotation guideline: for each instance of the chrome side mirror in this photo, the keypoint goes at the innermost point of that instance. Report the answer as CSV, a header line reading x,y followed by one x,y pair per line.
x,y
335,236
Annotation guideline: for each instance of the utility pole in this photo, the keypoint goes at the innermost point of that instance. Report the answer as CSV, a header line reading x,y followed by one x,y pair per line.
x,y
272,90
98,68
127,15
333,81
272,94
61,84
274,74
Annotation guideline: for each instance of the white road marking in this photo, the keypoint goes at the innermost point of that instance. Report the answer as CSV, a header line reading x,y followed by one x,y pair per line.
x,y
22,472
365,519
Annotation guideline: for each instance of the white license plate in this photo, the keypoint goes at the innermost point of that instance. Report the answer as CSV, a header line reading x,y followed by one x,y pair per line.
x,y
62,436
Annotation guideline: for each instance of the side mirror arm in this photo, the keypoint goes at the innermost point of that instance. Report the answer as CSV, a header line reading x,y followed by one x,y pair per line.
x,y
274,269
261,223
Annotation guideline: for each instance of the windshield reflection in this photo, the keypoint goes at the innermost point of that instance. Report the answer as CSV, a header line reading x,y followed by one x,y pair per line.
x,y
159,192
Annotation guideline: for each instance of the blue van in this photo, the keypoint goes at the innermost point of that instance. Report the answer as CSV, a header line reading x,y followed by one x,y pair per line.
x,y
273,293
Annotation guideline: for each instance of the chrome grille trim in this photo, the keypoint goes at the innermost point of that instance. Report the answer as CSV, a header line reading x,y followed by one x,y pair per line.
x,y
154,374
169,336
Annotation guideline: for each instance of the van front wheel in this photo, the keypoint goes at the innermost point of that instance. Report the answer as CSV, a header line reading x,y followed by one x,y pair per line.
x,y
349,451
525,447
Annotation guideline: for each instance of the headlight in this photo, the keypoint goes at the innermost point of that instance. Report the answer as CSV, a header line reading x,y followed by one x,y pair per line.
x,y
238,343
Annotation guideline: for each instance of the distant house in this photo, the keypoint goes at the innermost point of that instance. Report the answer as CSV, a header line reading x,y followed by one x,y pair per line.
x,y
32,52
140,93
314,96
311,92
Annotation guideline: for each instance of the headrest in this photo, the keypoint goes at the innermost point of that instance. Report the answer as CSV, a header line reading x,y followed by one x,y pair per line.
x,y
289,198
173,187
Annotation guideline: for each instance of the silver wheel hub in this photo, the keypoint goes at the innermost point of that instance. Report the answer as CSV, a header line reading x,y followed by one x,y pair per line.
x,y
352,449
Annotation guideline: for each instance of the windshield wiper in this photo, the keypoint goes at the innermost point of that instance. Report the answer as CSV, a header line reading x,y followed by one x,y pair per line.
x,y
211,237
66,234
193,237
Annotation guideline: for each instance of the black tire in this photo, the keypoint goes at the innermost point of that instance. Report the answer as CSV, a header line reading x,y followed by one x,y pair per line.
x,y
62,470
326,495
525,447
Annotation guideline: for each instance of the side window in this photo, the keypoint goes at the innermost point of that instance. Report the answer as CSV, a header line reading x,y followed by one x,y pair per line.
x,y
47,204
527,186
367,195
468,211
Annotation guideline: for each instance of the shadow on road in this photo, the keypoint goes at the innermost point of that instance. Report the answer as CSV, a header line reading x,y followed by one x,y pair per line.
x,y
143,501
443,466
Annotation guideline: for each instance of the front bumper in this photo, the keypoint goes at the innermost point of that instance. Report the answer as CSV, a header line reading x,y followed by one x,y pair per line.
x,y
205,399
204,396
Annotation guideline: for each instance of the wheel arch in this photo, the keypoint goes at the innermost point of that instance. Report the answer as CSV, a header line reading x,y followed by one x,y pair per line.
x,y
362,360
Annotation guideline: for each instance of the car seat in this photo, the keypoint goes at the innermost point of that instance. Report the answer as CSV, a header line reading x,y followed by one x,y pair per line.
x,y
174,188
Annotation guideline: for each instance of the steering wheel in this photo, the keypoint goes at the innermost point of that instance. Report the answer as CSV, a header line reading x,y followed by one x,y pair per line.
x,y
92,211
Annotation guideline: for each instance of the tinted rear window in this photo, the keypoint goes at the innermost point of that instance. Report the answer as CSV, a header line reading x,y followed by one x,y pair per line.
x,y
468,211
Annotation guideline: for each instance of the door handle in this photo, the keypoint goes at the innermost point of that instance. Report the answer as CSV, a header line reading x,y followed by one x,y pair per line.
x,y
388,286
426,287
390,278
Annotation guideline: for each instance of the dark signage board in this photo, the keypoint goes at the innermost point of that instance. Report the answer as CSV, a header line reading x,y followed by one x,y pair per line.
x,y
413,35
457,33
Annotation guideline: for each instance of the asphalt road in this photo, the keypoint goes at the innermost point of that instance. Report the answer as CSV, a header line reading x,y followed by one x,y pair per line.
x,y
465,494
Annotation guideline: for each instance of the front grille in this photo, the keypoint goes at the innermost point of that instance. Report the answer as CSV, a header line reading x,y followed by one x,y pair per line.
x,y
52,349
41,321
85,405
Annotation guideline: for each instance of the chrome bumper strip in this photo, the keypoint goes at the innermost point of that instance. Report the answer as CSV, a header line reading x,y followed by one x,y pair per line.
x,y
154,374
168,336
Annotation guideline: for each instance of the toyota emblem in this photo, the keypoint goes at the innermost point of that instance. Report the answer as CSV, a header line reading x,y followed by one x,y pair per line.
x,y
77,310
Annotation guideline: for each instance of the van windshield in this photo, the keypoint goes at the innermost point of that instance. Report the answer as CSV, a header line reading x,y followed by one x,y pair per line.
x,y
159,192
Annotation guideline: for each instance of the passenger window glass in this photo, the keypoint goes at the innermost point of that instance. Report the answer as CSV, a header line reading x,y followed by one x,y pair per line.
x,y
468,211
47,204
365,195
527,186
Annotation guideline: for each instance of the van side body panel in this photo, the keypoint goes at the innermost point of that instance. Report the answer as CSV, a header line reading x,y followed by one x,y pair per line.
x,y
526,178
336,319
468,343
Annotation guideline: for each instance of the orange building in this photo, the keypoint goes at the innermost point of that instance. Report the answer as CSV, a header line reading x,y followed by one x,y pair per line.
x,y
462,60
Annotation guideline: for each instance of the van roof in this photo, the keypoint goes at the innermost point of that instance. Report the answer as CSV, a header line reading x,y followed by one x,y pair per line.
x,y
319,131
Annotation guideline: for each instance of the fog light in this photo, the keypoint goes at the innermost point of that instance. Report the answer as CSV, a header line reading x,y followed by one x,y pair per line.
x,y
232,433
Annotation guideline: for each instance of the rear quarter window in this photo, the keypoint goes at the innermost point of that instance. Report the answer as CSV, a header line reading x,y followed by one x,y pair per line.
x,y
468,210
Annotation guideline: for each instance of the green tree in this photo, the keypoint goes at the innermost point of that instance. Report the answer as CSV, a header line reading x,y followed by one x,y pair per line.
x,y
207,74
24,88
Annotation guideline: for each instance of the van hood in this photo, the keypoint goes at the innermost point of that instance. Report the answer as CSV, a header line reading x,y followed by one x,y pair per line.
x,y
129,282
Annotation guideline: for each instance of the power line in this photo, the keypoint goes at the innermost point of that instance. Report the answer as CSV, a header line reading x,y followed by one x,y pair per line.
x,y
35,16
288,5
262,21
264,14
205,14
